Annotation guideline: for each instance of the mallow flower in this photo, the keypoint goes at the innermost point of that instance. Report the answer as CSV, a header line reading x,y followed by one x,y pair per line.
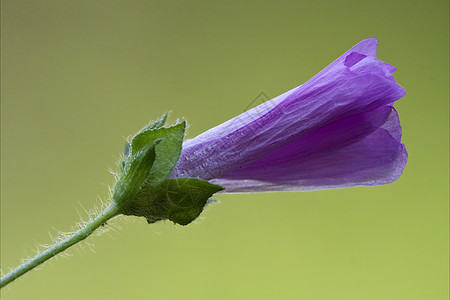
x,y
337,130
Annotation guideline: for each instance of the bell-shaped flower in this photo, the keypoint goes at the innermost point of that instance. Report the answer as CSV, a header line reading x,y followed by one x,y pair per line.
x,y
339,129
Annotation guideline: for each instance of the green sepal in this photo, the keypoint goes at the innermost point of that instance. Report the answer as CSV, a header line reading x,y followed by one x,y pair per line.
x,y
167,152
158,123
183,199
143,188
135,171
180,200
126,153
151,126
155,124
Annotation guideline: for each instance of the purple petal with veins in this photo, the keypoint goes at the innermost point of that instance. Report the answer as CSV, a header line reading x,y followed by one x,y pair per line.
x,y
338,129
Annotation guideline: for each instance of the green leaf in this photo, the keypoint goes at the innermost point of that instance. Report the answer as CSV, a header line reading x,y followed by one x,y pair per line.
x,y
168,150
135,171
181,200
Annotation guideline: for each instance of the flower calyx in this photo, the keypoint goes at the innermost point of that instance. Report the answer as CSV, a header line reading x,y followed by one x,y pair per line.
x,y
143,189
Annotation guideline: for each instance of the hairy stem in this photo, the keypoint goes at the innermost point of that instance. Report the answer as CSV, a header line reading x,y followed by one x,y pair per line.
x,y
110,212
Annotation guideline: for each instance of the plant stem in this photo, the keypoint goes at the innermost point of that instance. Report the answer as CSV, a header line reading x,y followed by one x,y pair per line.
x,y
111,211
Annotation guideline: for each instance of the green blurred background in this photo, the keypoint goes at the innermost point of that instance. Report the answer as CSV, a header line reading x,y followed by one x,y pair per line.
x,y
80,76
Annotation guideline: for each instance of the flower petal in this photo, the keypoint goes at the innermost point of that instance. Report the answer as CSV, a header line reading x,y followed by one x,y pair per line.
x,y
363,149
353,84
366,47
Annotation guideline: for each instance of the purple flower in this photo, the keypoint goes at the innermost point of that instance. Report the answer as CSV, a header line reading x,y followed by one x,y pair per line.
x,y
339,129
